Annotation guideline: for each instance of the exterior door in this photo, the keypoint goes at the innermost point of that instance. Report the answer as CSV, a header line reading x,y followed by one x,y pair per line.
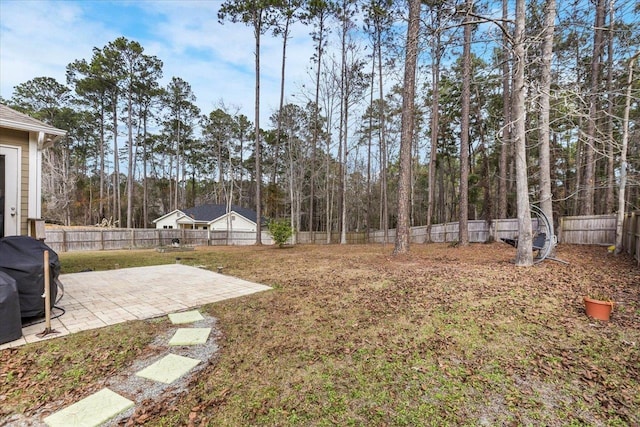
x,y
9,191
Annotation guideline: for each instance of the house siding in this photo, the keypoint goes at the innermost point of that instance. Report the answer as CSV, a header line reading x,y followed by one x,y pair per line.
x,y
169,222
239,223
17,138
177,220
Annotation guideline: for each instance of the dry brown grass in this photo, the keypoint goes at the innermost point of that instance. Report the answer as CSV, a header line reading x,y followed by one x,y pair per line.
x,y
353,336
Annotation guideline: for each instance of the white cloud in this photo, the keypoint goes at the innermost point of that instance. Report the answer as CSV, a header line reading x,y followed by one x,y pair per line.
x,y
40,38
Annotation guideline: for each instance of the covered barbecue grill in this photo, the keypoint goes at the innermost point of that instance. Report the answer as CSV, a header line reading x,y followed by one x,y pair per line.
x,y
10,323
22,259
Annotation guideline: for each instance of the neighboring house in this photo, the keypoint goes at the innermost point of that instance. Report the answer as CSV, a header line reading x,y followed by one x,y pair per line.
x,y
22,139
211,217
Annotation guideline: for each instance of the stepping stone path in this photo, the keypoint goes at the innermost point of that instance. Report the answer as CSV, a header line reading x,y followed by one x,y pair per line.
x,y
169,368
185,317
104,405
91,411
190,336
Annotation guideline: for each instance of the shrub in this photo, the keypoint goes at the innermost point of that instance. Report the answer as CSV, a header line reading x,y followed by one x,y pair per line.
x,y
280,231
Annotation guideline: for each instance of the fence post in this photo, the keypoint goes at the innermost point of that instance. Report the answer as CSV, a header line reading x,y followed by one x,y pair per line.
x,y
560,229
493,229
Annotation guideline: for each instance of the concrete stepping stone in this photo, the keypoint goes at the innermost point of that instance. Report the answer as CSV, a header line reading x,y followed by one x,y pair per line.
x,y
168,369
90,411
185,317
190,336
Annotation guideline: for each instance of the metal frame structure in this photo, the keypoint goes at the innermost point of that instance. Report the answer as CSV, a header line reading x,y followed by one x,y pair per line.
x,y
544,238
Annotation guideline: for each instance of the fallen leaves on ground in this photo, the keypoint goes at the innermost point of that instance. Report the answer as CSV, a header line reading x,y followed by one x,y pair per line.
x,y
353,335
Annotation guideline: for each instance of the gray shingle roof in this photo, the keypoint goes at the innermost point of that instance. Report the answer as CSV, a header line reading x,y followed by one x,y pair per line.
x,y
210,212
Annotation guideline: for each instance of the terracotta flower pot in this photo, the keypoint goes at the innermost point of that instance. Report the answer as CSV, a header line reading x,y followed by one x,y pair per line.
x,y
598,309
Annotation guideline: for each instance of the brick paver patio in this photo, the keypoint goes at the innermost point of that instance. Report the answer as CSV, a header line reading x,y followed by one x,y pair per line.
x,y
101,298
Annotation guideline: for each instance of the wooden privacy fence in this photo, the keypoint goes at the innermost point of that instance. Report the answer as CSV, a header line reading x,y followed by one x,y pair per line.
x,y
601,230
589,230
239,238
440,233
320,237
97,239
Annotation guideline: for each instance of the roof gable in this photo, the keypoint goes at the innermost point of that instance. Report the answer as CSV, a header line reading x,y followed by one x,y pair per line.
x,y
211,212
12,119
166,215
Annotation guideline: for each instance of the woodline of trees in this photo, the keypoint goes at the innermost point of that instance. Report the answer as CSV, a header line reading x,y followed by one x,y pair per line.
x,y
510,103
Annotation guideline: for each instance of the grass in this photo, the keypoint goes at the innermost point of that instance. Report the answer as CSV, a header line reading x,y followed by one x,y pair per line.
x,y
352,336
36,374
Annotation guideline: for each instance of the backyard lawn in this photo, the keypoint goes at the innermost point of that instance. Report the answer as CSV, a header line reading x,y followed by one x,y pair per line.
x,y
353,336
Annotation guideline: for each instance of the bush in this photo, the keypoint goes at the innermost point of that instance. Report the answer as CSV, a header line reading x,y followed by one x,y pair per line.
x,y
280,231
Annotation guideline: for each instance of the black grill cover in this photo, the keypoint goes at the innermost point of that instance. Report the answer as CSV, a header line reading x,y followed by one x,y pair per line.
x,y
10,323
22,258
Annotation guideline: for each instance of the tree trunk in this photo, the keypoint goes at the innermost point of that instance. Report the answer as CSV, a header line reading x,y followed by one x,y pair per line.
x,y
524,255
370,143
590,161
145,179
344,106
276,158
130,159
463,226
316,123
294,209
623,158
611,178
101,149
258,32
408,95
329,192
506,127
222,190
435,123
384,200
116,168
176,189
546,203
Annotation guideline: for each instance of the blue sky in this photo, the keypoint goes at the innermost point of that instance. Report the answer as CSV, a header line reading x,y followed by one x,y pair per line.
x,y
41,37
